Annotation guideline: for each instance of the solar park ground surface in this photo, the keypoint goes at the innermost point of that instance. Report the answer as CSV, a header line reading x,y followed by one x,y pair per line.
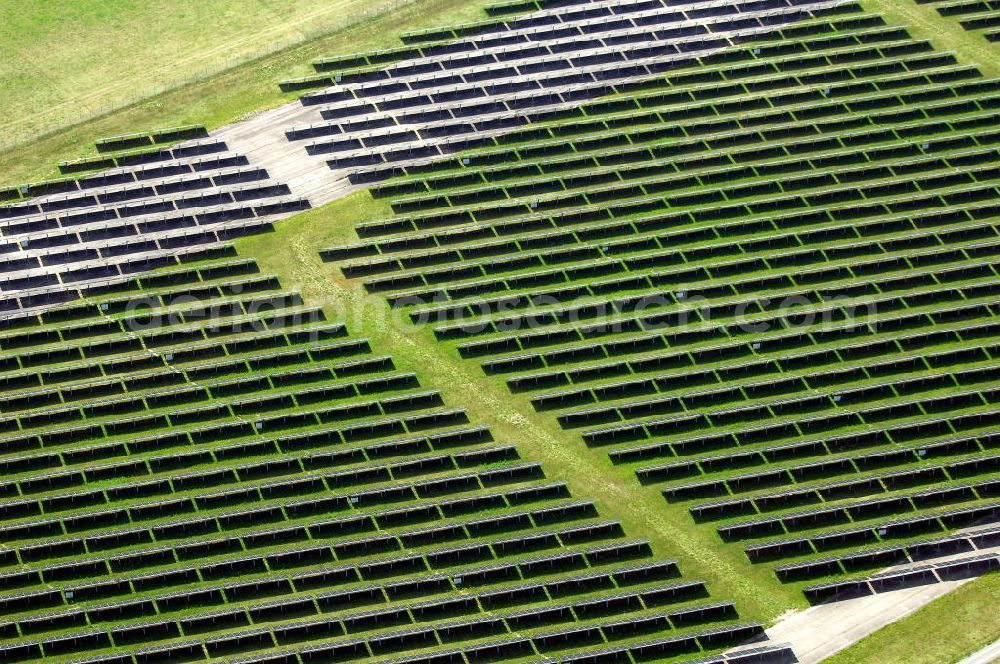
x,y
640,324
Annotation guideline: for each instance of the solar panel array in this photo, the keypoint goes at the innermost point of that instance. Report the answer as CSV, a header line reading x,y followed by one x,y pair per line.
x,y
139,202
766,280
747,249
199,466
452,89
132,209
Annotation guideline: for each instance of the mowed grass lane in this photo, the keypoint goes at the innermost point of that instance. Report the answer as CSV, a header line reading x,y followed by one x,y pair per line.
x,y
291,252
945,33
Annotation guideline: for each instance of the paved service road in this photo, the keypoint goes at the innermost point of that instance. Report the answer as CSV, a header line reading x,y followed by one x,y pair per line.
x,y
824,630
990,653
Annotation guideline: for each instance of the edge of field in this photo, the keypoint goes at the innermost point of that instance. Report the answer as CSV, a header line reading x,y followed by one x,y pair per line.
x,y
225,97
942,632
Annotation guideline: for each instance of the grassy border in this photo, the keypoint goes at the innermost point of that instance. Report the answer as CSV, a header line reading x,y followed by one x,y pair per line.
x,y
231,95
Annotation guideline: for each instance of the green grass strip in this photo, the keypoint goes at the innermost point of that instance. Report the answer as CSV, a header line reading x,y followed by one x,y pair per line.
x,y
943,632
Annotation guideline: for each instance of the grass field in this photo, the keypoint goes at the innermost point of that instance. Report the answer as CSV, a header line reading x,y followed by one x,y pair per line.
x,y
292,254
109,73
942,632
60,70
